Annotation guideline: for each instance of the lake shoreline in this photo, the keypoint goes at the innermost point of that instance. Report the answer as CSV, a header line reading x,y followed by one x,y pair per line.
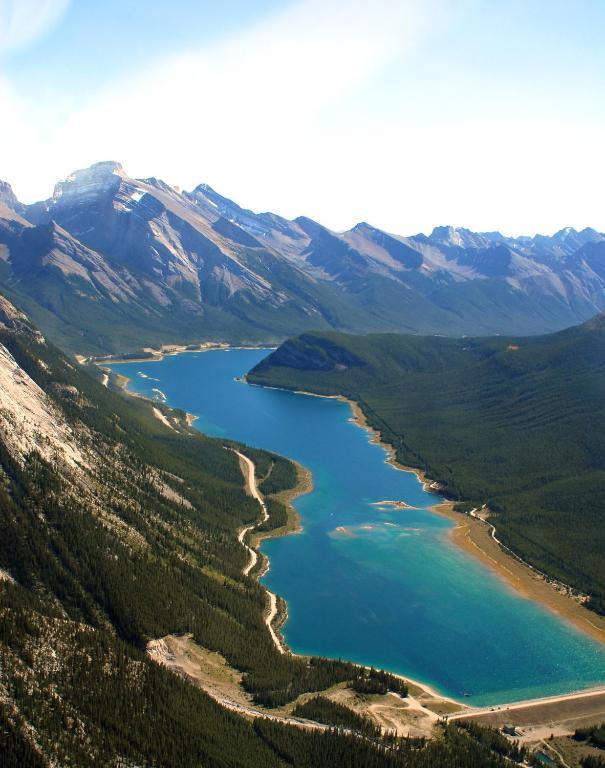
x,y
152,355
473,534
476,536
304,484
444,508
275,619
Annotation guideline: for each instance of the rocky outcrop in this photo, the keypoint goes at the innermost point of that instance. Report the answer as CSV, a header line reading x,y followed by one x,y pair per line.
x,y
30,421
9,199
10,317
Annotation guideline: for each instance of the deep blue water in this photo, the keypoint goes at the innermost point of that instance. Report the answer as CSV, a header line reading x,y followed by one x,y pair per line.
x,y
380,586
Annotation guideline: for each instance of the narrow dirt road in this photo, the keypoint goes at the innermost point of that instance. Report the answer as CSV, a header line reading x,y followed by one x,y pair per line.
x,y
249,472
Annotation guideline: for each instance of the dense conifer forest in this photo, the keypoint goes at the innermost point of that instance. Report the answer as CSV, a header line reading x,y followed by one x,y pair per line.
x,y
324,710
594,734
517,424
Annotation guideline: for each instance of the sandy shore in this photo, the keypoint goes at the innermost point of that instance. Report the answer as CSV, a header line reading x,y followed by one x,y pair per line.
x,y
152,355
474,535
122,382
303,485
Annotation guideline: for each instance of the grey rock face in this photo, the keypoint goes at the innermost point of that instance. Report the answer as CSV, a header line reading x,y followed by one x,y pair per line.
x,y
159,264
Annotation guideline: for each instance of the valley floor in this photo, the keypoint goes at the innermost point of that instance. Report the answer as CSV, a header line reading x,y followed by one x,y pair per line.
x,y
417,714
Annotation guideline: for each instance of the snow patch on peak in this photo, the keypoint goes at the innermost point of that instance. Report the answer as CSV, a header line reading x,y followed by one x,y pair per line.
x,y
88,183
563,233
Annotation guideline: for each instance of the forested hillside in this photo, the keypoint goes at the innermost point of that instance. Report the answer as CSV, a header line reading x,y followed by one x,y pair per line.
x,y
517,424
115,529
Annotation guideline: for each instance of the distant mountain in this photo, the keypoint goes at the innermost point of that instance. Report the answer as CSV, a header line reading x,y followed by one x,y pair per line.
x,y
111,263
514,423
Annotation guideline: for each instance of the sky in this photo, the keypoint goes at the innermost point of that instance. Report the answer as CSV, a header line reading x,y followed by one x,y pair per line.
x,y
408,114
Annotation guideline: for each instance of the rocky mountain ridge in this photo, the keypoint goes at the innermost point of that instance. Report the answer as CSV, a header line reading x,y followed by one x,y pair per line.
x,y
109,263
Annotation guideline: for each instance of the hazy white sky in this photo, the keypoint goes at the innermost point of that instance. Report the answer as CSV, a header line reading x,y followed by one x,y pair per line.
x,y
404,113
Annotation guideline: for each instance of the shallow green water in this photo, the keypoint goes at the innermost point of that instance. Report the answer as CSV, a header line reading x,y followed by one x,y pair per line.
x,y
373,584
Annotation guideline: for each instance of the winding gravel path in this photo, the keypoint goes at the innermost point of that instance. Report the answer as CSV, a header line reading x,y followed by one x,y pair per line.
x,y
249,472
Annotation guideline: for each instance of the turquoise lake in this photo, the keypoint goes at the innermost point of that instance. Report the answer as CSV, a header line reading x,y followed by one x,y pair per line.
x,y
380,586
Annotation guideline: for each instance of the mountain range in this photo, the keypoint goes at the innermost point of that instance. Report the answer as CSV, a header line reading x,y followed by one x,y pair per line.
x,y
110,263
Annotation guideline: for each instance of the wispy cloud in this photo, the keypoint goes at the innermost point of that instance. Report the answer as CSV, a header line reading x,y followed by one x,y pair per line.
x,y
257,96
311,112
23,21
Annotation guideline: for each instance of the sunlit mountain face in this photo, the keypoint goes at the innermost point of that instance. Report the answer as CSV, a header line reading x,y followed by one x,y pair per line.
x,y
109,263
